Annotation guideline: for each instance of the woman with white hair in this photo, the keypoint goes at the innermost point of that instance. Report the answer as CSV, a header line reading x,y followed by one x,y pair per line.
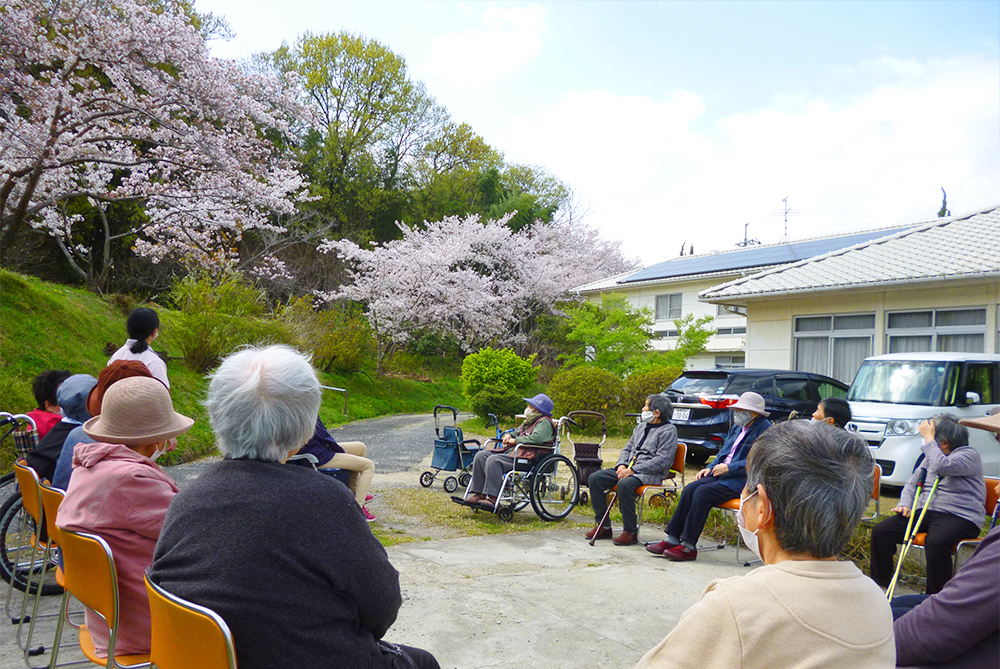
x,y
806,489
283,555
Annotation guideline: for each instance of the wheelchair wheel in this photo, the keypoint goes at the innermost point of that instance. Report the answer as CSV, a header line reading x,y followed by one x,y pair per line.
x,y
554,488
12,540
506,514
426,479
450,484
465,479
8,487
584,497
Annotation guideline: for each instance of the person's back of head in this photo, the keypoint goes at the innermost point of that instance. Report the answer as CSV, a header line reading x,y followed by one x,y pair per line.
x,y
141,323
72,396
837,409
819,479
45,386
263,402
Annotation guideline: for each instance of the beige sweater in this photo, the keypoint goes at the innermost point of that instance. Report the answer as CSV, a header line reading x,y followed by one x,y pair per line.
x,y
791,614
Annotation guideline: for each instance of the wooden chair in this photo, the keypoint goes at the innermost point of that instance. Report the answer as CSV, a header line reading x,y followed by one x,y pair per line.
x,y
186,635
669,484
90,575
991,502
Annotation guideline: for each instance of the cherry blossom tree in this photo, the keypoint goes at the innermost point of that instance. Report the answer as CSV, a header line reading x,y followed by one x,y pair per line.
x,y
476,281
114,102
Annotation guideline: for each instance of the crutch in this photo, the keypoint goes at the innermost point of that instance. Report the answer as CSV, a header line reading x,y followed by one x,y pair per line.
x,y
614,496
909,536
993,518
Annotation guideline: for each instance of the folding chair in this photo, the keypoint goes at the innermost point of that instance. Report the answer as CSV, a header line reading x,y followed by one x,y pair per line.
x,y
991,502
669,484
729,507
186,635
876,495
31,554
90,575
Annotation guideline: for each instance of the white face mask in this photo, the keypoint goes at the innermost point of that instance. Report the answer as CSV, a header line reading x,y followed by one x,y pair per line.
x,y
646,416
742,418
160,450
749,538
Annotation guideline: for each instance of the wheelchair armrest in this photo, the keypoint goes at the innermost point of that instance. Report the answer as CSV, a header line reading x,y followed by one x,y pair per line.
x,y
307,457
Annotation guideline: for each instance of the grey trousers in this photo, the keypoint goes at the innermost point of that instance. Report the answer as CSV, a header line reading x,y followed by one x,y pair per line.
x,y
488,470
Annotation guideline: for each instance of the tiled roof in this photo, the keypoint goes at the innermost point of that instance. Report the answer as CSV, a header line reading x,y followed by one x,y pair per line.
x,y
956,247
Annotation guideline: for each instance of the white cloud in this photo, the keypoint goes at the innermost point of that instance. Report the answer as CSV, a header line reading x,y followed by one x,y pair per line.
x,y
655,178
480,57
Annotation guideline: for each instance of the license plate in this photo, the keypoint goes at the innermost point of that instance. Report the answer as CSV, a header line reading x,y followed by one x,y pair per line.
x,y
682,414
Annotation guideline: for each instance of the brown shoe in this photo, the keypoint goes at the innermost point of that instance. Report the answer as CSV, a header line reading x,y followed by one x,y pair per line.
x,y
681,553
659,547
488,504
474,498
626,538
601,532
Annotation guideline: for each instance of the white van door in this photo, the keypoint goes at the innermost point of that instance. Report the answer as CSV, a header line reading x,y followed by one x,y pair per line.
x,y
982,383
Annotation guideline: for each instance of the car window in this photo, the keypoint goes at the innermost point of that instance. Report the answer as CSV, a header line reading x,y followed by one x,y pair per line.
x,y
793,389
742,383
826,389
700,384
980,380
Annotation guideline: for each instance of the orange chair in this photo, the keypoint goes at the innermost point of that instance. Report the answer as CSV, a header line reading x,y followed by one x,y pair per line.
x,y
876,495
90,575
991,502
186,635
669,484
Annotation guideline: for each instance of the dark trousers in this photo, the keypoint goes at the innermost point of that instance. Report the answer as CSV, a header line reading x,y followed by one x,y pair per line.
x,y
606,479
697,500
421,658
944,530
901,605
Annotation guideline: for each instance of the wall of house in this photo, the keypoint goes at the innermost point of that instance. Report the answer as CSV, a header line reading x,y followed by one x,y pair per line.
x,y
771,323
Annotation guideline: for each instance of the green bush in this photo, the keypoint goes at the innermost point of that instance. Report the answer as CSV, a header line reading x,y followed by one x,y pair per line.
x,y
500,401
496,368
588,388
639,386
339,338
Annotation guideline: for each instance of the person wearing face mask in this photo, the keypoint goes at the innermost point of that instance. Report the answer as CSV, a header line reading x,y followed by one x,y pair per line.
x,y
645,460
118,492
143,326
807,487
720,482
833,411
535,435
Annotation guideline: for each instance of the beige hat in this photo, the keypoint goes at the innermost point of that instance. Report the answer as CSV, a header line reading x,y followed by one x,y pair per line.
x,y
751,402
137,412
990,423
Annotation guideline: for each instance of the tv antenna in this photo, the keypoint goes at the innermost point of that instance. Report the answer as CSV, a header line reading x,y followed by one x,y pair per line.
x,y
785,212
747,240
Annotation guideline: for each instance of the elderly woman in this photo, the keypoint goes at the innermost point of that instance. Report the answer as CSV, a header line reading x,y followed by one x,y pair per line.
x,y
956,509
807,487
535,435
120,494
645,460
283,555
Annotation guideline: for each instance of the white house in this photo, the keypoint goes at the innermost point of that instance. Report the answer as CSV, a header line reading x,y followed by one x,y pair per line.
x,y
671,289
933,286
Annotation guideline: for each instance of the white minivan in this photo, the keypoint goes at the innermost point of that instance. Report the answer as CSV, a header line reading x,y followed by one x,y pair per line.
x,y
892,393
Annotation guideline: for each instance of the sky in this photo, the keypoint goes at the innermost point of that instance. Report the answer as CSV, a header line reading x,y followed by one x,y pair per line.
x,y
691,122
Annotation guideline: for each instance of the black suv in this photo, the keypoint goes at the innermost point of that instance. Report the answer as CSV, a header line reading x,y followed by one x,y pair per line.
x,y
702,398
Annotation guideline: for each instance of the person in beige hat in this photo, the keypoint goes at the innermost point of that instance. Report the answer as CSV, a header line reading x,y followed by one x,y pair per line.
x,y
118,492
720,482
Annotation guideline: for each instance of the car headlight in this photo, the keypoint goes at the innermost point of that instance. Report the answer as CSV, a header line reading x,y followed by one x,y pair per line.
x,y
900,427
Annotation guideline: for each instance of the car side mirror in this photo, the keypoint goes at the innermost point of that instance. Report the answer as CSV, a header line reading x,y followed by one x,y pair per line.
x,y
972,397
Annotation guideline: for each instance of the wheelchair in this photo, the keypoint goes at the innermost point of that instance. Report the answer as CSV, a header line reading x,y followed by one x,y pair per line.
x,y
549,482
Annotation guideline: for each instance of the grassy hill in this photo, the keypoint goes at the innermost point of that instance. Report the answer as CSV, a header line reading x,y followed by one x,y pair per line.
x,y
49,326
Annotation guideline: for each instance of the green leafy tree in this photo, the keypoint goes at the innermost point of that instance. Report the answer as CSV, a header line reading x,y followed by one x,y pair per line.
x,y
496,368
692,336
611,335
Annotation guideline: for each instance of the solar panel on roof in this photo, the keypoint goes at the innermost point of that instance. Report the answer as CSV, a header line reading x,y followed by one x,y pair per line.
x,y
755,256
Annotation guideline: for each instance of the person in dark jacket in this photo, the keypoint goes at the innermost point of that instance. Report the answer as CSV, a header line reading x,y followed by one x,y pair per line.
x,y
286,557
720,482
72,395
653,445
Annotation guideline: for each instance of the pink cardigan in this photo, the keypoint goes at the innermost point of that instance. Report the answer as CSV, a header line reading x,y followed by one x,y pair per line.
x,y
122,497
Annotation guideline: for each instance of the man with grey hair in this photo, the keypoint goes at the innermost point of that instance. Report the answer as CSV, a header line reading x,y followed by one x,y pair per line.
x,y
282,553
807,488
645,460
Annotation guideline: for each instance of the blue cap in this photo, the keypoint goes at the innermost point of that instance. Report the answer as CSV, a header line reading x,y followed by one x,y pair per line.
x,y
72,396
542,402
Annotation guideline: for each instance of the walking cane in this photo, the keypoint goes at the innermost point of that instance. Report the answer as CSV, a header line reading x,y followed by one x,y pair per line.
x,y
631,463
993,518
911,535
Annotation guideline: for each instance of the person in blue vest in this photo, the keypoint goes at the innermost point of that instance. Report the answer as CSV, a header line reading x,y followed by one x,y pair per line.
x,y
720,482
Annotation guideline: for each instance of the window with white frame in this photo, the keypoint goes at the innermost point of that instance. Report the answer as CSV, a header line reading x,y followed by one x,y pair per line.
x,y
668,307
952,330
731,331
834,345
731,361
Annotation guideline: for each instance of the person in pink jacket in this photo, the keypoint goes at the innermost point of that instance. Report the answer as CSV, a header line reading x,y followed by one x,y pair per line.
x,y
119,493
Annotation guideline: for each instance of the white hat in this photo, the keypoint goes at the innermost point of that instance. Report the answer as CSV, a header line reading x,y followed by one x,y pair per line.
x,y
751,402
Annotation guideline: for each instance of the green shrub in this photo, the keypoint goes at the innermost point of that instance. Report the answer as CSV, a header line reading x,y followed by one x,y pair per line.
x,y
639,386
496,368
500,401
340,338
587,388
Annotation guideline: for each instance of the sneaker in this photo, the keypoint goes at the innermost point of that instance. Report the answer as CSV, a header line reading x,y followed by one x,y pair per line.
x,y
659,547
368,514
601,532
680,553
369,497
626,538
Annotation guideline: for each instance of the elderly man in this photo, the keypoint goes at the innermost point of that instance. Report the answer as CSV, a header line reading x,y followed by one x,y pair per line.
x,y
645,460
720,482
284,555
534,437
807,487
